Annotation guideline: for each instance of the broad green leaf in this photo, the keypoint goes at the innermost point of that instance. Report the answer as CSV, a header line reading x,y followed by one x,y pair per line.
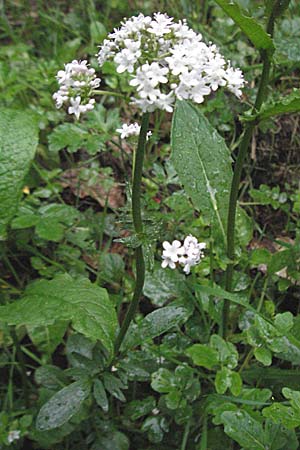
x,y
279,437
286,105
282,414
226,378
241,427
228,354
81,302
18,142
162,285
62,406
263,355
46,339
100,395
252,29
202,161
204,356
156,323
294,397
223,380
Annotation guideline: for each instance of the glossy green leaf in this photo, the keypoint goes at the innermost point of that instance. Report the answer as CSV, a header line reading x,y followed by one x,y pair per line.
x,y
223,380
62,406
18,142
263,355
203,355
202,161
156,323
84,304
228,354
245,430
252,29
282,414
162,285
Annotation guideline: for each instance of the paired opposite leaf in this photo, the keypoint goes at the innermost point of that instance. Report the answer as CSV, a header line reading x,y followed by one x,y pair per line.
x,y
18,142
202,161
253,30
84,304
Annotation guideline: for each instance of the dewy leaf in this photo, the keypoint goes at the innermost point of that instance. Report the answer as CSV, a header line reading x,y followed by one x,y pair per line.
x,y
252,29
241,427
203,356
81,302
62,406
287,104
18,142
202,161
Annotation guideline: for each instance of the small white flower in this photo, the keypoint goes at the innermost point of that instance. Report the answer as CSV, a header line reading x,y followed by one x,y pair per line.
x,y
13,435
155,411
167,262
188,255
161,24
129,130
76,107
172,251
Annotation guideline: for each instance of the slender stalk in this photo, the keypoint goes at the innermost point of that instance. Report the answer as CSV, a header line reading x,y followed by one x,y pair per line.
x,y
244,145
138,227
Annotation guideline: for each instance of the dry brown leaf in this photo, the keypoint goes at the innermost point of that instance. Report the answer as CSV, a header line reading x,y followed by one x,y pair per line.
x,y
98,191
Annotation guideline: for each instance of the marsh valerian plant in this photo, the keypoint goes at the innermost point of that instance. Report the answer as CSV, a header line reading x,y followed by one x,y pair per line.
x,y
164,61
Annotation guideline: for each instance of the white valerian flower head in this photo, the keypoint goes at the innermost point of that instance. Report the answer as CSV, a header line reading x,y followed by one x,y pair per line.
x,y
166,60
76,84
187,255
132,129
13,435
126,131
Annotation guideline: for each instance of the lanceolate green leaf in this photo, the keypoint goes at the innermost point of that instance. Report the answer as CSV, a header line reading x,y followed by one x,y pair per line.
x,y
202,161
84,304
253,30
63,405
288,104
18,141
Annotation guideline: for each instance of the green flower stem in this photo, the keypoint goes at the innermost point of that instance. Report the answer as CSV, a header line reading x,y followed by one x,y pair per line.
x,y
244,145
138,228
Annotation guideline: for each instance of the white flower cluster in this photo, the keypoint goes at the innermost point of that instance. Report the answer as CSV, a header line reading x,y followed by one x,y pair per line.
x,y
187,255
167,60
13,435
132,129
126,131
76,84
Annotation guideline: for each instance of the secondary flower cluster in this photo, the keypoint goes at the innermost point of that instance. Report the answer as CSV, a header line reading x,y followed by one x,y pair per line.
x,y
167,60
76,84
187,255
133,129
